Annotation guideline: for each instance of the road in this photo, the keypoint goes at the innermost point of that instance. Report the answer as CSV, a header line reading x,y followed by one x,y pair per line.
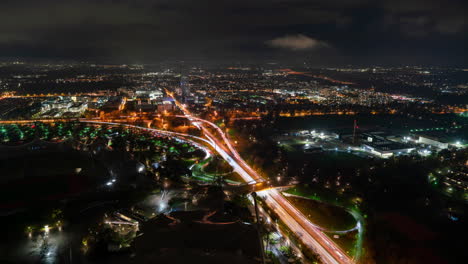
x,y
309,233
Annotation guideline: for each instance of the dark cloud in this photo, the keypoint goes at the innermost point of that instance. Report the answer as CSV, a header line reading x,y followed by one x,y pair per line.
x,y
214,29
423,17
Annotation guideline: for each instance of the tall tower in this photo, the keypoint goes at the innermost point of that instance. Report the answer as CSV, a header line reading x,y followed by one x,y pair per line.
x,y
185,87
354,131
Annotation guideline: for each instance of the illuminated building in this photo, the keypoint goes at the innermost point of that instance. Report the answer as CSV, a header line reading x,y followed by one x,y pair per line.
x,y
185,87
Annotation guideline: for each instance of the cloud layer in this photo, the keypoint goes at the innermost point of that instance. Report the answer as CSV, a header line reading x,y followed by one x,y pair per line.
x,y
360,31
296,42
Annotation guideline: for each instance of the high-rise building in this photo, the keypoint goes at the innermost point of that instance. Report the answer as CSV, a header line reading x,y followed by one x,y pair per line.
x,y
185,87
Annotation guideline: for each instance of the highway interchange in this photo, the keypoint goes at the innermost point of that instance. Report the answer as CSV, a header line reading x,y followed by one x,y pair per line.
x,y
310,234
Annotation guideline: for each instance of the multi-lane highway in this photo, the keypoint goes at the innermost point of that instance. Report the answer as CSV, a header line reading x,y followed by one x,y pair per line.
x,y
309,233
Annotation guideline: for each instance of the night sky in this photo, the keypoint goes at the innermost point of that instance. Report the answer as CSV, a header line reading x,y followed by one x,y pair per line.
x,y
321,32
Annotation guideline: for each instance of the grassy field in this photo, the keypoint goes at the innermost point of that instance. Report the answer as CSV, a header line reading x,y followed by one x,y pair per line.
x,y
342,212
217,166
324,215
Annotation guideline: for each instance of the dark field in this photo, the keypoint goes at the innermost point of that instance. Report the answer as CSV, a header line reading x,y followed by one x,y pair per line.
x,y
401,123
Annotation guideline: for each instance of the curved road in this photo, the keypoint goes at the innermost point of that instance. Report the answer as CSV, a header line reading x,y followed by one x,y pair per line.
x,y
310,235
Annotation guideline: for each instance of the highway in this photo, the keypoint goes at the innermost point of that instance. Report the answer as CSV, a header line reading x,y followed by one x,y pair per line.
x,y
309,233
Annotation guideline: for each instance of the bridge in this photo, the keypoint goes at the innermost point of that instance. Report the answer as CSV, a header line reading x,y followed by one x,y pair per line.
x,y
310,234
307,232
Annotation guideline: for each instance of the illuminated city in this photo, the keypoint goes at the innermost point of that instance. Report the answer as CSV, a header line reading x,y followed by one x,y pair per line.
x,y
264,138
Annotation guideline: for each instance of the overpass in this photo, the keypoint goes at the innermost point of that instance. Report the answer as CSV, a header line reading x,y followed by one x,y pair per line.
x,y
310,234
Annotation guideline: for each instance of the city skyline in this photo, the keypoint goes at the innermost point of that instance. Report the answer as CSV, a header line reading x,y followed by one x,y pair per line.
x,y
233,131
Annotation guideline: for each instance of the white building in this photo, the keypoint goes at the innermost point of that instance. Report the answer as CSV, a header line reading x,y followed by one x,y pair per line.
x,y
433,142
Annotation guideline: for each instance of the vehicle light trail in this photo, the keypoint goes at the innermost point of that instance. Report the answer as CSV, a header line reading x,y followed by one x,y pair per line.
x,y
309,233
